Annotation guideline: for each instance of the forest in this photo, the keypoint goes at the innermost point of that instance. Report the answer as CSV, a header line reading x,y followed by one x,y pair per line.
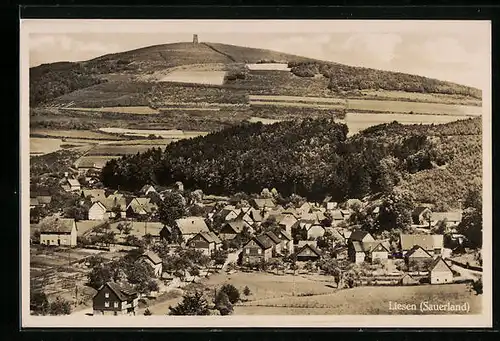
x,y
311,157
344,77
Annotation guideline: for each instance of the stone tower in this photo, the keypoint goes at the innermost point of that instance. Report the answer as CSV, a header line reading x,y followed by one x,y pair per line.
x,y
195,39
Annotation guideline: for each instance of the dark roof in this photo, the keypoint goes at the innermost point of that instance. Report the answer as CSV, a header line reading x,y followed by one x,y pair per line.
x,y
152,256
358,235
263,241
418,211
414,249
312,247
236,225
369,246
123,292
358,246
273,237
285,234
57,225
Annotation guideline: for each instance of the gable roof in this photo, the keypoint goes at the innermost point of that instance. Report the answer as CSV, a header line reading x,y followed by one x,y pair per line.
x,y
255,215
369,246
215,238
453,216
114,200
147,187
123,292
416,248
73,182
310,226
288,221
94,193
426,241
337,215
311,247
236,225
358,235
274,238
418,211
261,203
437,265
100,204
59,225
84,226
152,256
263,241
192,225
285,234
309,217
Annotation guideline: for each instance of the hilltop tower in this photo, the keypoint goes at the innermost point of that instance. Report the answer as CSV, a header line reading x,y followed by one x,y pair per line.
x,y
195,39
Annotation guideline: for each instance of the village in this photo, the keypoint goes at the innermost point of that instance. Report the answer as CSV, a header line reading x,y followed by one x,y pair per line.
x,y
136,248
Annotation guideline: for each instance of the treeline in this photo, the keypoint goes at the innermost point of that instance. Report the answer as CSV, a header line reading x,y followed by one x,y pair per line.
x,y
311,158
343,78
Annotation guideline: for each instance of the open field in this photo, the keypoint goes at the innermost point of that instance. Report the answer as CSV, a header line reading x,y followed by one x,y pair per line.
x,y
263,120
364,301
170,134
39,146
415,107
416,97
195,77
74,134
295,99
268,67
298,105
139,110
98,160
113,150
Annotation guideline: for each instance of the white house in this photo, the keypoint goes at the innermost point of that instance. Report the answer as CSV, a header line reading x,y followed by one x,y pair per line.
x,y
440,272
58,231
315,231
71,185
98,211
153,261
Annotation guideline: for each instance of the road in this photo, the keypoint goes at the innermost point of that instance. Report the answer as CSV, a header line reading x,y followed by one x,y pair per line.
x,y
466,273
231,258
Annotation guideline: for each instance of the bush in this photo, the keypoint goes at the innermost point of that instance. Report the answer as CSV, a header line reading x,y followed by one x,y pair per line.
x,y
147,312
60,307
223,304
232,293
477,286
39,303
246,291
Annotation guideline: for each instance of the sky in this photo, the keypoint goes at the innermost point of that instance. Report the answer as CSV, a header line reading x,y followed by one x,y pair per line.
x,y
453,51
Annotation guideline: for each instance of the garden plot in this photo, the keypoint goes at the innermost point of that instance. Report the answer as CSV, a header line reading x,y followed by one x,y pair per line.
x,y
195,77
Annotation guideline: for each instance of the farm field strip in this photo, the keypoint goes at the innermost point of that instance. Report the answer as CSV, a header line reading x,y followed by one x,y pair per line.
x,y
195,77
138,110
268,67
201,105
74,134
298,105
416,107
170,134
297,99
415,96
188,109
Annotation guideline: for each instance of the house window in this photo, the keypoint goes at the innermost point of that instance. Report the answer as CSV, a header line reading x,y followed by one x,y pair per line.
x,y
106,304
115,304
248,251
259,251
106,295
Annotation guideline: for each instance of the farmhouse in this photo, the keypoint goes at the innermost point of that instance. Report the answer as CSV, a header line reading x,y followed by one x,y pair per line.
x,y
150,258
230,229
140,207
114,299
71,185
94,194
255,215
432,243
440,272
286,241
206,242
288,223
407,280
361,236
273,239
58,231
315,231
146,189
359,251
115,203
98,211
421,215
304,208
257,250
262,204
417,255
329,204
308,252
451,219
191,226
337,217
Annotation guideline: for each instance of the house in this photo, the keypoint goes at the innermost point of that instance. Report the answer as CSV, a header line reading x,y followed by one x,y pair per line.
x,y
153,260
138,229
85,165
315,231
432,243
301,243
286,241
275,240
230,229
58,231
206,242
304,208
329,204
116,205
309,218
337,217
98,211
421,215
288,222
308,252
417,255
255,215
407,280
71,185
452,219
94,194
191,226
338,237
359,251
40,200
262,204
33,202
115,299
361,236
440,272
146,189
140,207
257,250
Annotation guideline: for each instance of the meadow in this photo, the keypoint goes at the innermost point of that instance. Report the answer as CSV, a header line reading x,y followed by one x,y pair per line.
x,y
134,110
364,301
195,77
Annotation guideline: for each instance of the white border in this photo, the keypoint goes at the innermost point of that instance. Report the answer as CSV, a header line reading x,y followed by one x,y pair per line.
x,y
293,321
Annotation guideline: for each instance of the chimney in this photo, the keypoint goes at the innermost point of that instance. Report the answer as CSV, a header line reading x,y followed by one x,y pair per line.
x,y
195,39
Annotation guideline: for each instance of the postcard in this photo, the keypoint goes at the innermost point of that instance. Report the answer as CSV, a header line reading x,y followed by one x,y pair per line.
x,y
245,173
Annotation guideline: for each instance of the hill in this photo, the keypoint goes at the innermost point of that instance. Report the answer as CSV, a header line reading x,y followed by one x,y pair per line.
x,y
131,77
436,162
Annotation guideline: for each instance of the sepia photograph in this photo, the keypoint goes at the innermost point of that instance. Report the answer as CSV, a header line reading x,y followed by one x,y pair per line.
x,y
245,173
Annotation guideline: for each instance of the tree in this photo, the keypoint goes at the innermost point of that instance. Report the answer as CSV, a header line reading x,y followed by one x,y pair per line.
x,y
246,291
60,307
39,304
147,312
477,286
223,304
100,274
219,257
171,208
309,266
471,225
192,304
394,213
232,292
